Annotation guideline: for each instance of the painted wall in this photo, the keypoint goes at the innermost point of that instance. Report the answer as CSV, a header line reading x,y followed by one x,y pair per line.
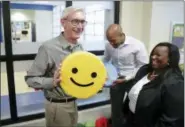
x,y
135,19
150,21
163,14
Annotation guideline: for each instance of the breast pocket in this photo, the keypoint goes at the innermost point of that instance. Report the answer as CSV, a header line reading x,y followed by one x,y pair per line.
x,y
126,58
57,60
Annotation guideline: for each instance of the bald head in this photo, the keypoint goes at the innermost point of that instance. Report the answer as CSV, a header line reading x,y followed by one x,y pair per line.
x,y
115,35
114,29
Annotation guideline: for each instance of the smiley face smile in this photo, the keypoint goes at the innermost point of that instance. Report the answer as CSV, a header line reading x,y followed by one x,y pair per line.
x,y
81,85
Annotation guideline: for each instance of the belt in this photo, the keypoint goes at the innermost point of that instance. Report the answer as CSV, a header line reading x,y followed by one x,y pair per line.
x,y
66,100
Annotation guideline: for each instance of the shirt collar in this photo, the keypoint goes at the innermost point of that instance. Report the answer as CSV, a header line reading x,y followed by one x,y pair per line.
x,y
66,44
125,43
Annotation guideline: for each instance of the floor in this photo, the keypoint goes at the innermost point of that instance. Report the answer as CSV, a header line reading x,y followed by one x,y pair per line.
x,y
33,102
83,116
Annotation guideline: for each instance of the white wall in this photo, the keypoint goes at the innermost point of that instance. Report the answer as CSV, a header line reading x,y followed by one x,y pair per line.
x,y
131,18
135,19
150,21
44,26
163,13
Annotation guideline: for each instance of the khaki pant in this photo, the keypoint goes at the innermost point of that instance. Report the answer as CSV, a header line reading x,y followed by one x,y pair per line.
x,y
61,114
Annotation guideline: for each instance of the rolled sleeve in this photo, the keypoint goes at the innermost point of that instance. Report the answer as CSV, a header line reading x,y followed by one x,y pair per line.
x,y
35,77
106,57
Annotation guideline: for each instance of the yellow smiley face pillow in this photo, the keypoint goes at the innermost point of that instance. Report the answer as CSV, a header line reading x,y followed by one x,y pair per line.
x,y
82,74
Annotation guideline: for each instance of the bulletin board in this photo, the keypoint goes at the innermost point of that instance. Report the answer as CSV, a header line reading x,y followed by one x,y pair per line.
x,y
177,35
0,26
177,38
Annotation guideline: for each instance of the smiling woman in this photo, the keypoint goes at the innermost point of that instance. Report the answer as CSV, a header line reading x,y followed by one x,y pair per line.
x,y
83,74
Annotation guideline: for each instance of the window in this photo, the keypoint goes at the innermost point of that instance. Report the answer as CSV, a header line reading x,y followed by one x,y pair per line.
x,y
34,24
57,27
96,26
5,106
28,100
99,15
2,46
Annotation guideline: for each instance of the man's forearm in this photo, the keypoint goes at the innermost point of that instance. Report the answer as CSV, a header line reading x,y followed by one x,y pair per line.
x,y
39,82
131,75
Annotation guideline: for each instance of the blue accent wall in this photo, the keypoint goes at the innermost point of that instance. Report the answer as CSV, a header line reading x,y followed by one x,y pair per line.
x,y
31,6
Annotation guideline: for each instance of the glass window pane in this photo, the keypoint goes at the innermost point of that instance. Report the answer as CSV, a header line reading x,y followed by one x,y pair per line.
x,y
100,16
90,17
99,38
81,38
89,37
2,46
5,106
28,100
94,38
31,26
89,29
99,29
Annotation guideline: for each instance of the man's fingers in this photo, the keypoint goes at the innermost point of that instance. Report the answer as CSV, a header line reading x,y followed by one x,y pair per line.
x,y
113,84
58,80
58,74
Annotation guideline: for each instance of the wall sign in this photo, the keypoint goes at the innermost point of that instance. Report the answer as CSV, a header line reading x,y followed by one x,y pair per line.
x,y
177,36
0,25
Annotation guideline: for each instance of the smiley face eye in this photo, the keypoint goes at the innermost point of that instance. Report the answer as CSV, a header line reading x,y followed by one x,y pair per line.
x,y
93,75
74,70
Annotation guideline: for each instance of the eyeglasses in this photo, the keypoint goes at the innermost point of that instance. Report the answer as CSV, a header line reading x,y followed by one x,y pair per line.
x,y
76,22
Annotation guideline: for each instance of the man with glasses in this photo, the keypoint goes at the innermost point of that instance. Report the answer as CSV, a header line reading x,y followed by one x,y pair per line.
x,y
60,109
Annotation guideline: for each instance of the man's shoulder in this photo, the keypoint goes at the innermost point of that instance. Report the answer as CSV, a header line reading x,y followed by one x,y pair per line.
x,y
50,42
133,40
107,44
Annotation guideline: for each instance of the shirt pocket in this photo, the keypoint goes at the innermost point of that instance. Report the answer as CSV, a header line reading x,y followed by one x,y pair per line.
x,y
126,58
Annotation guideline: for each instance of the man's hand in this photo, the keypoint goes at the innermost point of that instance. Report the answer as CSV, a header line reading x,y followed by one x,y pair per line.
x,y
118,81
57,78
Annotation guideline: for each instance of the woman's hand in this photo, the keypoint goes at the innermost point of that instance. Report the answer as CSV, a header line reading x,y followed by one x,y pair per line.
x,y
118,81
